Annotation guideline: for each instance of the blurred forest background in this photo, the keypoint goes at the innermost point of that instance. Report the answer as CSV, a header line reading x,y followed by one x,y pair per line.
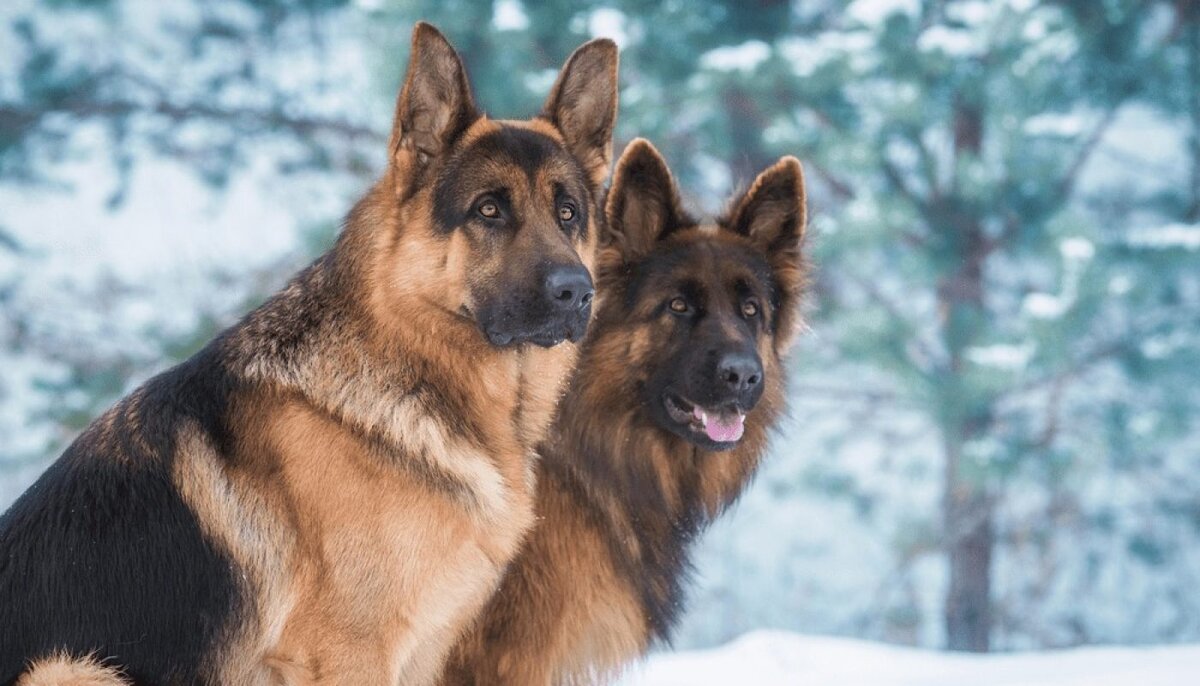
x,y
994,440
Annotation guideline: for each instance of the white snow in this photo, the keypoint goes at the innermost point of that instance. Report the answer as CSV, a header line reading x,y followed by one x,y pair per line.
x,y
1045,306
1049,40
1076,252
972,12
769,658
607,22
1159,347
1139,139
1055,124
1120,284
1077,249
953,42
875,12
1186,236
171,218
808,53
1003,355
743,58
509,15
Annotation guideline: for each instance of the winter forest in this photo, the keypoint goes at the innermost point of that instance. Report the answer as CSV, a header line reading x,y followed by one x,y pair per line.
x,y
994,440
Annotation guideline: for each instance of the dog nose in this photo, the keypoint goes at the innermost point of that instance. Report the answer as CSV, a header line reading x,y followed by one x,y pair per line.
x,y
569,287
739,371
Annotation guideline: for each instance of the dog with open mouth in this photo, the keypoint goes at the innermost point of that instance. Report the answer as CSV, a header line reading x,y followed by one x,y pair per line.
x,y
680,379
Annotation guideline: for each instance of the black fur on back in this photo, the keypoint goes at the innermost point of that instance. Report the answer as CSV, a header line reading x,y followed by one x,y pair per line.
x,y
101,555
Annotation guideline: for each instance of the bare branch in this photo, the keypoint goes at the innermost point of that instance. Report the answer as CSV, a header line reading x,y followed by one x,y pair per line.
x,y
896,179
925,348
1066,185
841,188
1077,368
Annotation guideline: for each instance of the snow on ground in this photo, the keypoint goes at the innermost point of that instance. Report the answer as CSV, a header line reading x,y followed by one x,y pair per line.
x,y
767,658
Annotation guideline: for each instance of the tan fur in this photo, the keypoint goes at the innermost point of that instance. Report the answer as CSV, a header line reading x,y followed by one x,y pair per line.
x,y
368,529
585,627
360,573
64,670
377,554
358,589
248,523
360,449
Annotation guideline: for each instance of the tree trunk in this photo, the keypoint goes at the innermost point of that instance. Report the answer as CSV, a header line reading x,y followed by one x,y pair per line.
x,y
746,123
967,610
967,506
1192,19
968,512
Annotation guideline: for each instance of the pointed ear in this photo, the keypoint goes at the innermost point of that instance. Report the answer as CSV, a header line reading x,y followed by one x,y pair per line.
x,y
643,205
773,215
583,105
434,107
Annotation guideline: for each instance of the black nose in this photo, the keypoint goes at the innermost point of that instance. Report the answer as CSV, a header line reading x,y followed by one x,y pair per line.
x,y
739,371
569,287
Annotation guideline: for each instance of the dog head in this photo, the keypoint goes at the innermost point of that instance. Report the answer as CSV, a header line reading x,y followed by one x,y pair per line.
x,y
497,219
705,311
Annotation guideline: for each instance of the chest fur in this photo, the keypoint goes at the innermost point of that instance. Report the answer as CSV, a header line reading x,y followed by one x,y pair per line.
x,y
396,545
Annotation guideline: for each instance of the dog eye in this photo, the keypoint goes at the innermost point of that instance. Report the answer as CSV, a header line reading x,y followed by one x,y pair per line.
x,y
679,305
566,213
489,210
749,309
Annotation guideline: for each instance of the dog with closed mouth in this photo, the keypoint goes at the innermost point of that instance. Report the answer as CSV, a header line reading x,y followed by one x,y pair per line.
x,y
332,488
679,382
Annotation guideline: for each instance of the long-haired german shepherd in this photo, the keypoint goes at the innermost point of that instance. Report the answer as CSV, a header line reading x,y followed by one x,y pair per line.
x,y
667,416
331,489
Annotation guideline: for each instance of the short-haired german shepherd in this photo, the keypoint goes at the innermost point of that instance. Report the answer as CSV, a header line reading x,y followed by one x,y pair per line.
x,y
331,489
679,381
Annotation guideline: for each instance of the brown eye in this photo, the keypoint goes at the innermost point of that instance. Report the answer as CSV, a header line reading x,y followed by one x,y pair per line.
x,y
749,308
489,210
566,213
679,305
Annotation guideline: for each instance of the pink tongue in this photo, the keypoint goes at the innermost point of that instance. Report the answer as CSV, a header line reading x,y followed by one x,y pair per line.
x,y
722,429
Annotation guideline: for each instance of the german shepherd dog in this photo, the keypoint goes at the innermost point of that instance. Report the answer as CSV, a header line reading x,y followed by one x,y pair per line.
x,y
679,381
331,489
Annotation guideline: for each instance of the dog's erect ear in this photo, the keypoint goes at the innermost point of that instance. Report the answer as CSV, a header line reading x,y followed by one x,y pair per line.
x,y
773,215
583,105
643,205
434,107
